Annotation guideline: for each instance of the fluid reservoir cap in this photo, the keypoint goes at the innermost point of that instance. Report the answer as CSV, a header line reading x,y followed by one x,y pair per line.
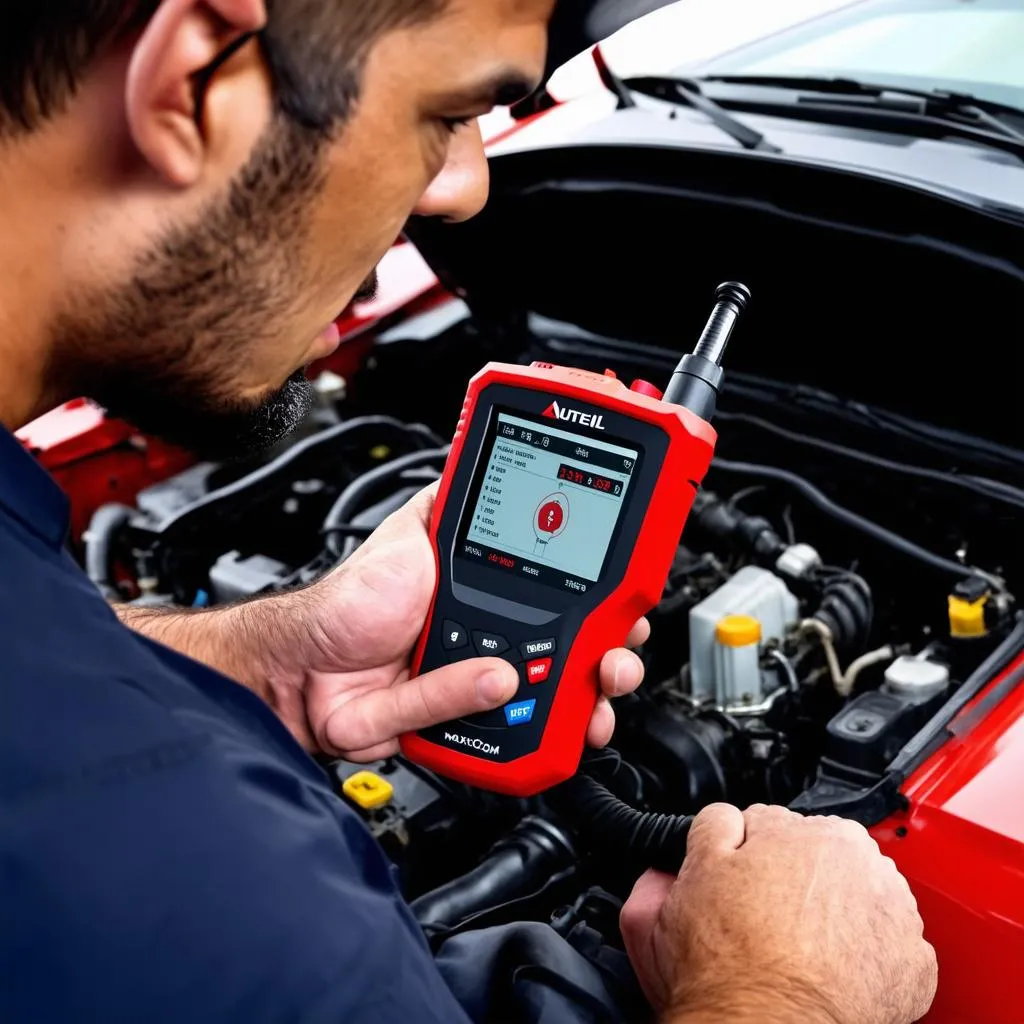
x,y
915,677
738,631
368,790
967,618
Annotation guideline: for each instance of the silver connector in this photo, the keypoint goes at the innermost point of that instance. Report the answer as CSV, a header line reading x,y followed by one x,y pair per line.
x,y
732,300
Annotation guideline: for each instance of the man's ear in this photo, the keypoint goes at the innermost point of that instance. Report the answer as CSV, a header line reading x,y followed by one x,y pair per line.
x,y
163,95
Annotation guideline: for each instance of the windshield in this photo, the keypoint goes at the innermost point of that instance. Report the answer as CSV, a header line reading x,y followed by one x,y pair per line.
x,y
973,46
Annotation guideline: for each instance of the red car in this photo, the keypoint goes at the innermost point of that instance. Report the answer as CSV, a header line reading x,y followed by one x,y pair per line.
x,y
864,505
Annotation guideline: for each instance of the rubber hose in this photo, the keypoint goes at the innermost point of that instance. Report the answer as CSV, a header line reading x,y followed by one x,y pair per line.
x,y
99,540
349,499
848,611
611,826
520,866
856,521
721,520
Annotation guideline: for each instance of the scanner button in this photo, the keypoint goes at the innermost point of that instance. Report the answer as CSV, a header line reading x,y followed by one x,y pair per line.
x,y
520,712
538,648
489,645
537,671
453,635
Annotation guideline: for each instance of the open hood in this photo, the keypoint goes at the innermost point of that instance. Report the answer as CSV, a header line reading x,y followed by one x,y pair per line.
x,y
577,24
871,289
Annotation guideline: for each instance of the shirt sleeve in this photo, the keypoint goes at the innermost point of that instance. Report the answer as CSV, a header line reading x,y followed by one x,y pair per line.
x,y
194,883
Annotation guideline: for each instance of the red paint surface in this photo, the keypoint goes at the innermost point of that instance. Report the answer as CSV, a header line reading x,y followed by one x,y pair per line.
x,y
963,854
96,460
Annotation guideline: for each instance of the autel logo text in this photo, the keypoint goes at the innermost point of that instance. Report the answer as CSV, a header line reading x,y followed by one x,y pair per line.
x,y
466,741
584,419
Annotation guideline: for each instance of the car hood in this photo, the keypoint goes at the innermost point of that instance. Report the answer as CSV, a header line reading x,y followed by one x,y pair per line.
x,y
964,172
577,24
623,227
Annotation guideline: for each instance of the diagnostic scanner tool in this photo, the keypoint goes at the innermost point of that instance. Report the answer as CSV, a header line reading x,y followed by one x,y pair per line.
x,y
560,509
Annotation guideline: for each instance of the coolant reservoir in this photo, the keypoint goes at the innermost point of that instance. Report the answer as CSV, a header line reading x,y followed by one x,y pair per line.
x,y
754,592
737,649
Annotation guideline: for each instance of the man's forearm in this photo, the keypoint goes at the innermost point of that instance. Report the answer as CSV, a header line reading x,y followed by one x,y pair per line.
x,y
261,644
234,641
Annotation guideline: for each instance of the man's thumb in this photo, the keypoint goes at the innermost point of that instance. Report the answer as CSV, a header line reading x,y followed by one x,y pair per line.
x,y
718,829
478,684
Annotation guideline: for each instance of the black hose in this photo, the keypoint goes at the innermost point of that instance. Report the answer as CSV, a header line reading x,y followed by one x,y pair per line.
x,y
99,542
848,610
352,496
290,456
856,521
623,834
521,866
991,489
752,533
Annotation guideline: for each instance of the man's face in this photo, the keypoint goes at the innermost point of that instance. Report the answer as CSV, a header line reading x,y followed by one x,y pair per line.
x,y
204,334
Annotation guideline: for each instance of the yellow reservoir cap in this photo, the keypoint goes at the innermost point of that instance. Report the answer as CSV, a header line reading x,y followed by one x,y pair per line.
x,y
738,631
967,618
368,790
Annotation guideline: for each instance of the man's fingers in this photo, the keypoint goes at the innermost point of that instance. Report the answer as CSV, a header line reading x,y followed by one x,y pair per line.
x,y
926,981
378,716
621,672
639,634
602,724
416,512
641,910
765,819
637,923
381,752
718,829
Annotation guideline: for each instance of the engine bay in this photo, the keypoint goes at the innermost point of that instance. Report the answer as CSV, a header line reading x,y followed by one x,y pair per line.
x,y
876,576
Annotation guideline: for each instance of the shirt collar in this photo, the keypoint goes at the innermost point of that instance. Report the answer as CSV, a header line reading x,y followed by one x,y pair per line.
x,y
30,494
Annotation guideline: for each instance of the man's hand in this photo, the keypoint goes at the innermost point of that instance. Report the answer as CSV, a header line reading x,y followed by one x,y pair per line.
x,y
333,659
780,919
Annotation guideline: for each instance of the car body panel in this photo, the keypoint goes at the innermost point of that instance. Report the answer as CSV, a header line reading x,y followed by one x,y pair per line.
x,y
961,847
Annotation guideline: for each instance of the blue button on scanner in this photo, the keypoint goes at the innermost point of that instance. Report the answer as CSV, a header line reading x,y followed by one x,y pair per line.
x,y
519,713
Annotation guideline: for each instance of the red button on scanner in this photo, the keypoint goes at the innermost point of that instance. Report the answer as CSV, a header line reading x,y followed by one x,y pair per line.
x,y
537,671
643,387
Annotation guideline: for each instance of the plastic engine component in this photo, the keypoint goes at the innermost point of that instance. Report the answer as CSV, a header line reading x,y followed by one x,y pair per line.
x,y
752,591
915,679
233,577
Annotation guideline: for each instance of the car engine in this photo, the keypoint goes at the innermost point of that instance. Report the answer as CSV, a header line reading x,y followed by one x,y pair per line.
x,y
827,603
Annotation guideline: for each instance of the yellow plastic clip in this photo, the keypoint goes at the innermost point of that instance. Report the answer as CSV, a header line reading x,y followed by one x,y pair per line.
x,y
967,618
368,790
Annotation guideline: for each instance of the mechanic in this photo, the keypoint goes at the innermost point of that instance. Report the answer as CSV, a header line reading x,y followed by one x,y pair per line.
x,y
190,191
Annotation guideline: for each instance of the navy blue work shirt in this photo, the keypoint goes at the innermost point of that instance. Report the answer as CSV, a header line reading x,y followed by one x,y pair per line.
x,y
167,851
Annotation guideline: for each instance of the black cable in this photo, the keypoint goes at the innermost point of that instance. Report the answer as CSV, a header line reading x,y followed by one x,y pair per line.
x,y
856,521
349,530
763,389
976,485
639,838
319,441
350,498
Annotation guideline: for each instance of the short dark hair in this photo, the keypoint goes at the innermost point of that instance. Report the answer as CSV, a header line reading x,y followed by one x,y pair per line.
x,y
315,50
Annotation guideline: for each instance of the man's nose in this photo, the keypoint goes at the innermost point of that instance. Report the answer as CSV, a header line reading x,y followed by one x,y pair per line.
x,y
460,190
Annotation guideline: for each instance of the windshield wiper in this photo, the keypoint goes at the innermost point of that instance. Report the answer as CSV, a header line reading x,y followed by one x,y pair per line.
x,y
686,93
959,108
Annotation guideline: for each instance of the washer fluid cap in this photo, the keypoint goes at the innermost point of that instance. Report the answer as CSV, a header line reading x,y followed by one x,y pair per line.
x,y
738,631
914,677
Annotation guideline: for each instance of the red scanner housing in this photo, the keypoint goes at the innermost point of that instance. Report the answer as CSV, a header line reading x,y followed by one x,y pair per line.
x,y
678,451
